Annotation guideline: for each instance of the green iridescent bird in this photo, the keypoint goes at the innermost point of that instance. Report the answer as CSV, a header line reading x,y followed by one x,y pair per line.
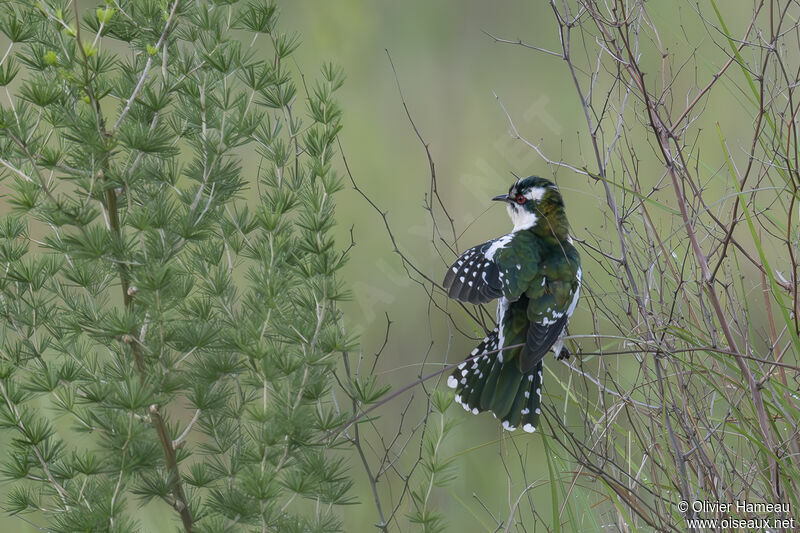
x,y
535,272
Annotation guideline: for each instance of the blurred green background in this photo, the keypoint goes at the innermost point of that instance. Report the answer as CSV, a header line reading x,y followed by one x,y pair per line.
x,y
449,70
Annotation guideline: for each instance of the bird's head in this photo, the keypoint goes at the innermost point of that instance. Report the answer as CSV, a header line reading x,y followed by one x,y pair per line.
x,y
535,203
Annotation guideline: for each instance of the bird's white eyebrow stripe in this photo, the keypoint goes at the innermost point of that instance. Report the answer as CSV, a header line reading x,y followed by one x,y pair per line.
x,y
535,193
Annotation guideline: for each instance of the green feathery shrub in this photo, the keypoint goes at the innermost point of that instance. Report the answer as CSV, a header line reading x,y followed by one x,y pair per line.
x,y
168,279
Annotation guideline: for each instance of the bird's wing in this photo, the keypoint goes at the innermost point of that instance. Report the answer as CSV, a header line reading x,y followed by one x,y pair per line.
x,y
500,267
551,303
540,338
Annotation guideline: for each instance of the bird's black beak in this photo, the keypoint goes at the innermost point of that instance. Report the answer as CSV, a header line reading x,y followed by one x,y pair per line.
x,y
501,198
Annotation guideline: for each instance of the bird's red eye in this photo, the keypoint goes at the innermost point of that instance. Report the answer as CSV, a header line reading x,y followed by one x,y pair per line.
x,y
521,199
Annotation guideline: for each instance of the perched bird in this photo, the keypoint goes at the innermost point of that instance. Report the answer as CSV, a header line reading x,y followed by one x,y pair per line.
x,y
536,274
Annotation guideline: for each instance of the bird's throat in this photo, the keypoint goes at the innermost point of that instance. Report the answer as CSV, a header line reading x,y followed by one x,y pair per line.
x,y
547,223
522,218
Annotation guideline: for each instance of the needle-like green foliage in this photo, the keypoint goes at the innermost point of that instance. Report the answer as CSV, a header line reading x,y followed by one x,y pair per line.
x,y
168,278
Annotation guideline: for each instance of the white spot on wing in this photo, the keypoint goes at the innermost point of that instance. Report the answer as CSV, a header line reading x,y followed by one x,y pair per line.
x,y
528,428
452,382
498,244
502,307
574,302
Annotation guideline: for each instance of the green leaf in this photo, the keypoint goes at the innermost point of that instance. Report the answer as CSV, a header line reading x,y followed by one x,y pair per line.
x,y
258,17
104,15
367,390
554,484
16,29
8,73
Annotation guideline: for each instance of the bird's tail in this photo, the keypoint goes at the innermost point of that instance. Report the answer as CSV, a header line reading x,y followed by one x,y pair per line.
x,y
483,382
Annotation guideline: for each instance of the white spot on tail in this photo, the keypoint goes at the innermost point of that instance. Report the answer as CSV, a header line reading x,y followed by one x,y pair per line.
x,y
507,426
